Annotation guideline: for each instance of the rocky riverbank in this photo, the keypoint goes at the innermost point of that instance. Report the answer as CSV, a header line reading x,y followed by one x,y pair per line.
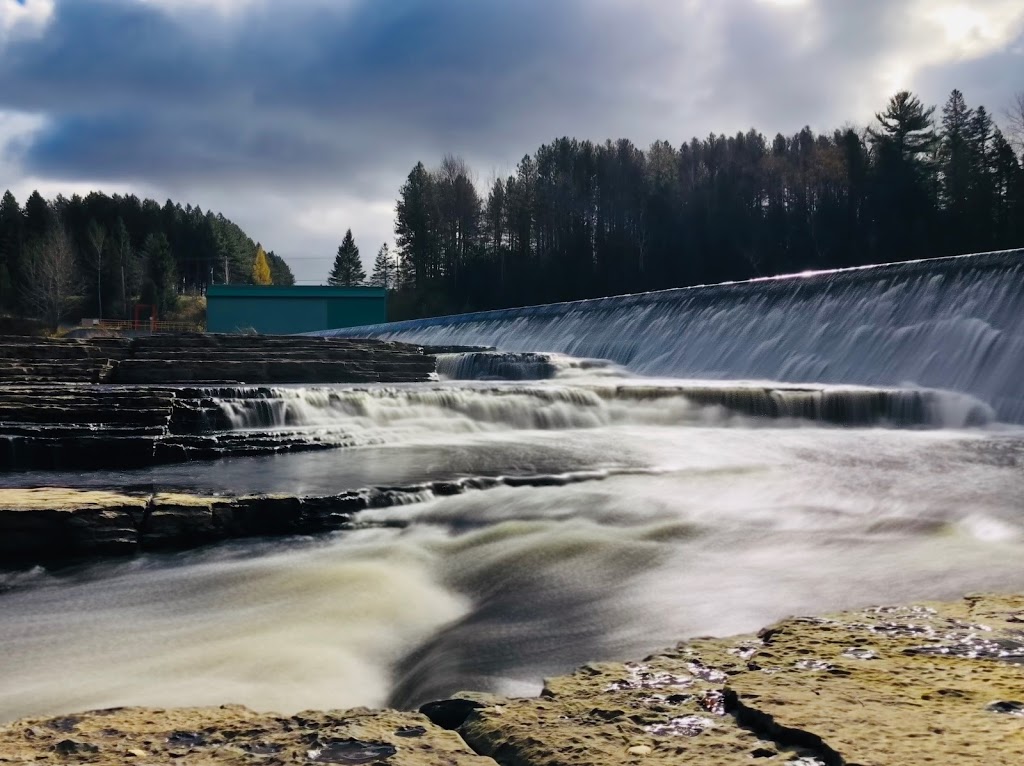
x,y
886,686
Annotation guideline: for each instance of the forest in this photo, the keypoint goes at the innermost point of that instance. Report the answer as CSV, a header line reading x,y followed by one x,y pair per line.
x,y
580,219
98,255
576,220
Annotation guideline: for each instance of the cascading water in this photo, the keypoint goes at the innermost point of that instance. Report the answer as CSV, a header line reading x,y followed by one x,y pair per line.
x,y
537,507
950,323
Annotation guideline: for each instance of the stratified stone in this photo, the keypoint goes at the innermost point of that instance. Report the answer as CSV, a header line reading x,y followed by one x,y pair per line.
x,y
234,736
162,398
53,524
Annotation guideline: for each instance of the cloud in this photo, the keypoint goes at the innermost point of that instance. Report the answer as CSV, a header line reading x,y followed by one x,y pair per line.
x,y
295,118
23,18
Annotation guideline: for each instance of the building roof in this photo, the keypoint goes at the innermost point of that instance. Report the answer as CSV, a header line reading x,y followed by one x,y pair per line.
x,y
297,291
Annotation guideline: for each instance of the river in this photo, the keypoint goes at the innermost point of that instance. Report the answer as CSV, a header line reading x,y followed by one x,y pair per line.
x,y
641,510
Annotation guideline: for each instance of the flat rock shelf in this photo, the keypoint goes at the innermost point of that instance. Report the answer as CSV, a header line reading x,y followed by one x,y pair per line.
x,y
54,526
936,683
202,358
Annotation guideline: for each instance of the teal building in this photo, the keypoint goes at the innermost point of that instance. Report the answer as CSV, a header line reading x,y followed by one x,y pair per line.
x,y
273,310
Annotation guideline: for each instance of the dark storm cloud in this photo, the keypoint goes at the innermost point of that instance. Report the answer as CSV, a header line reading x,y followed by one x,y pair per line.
x,y
348,94
294,90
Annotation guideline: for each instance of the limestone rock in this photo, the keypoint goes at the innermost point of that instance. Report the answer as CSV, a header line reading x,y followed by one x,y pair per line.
x,y
935,683
167,406
232,736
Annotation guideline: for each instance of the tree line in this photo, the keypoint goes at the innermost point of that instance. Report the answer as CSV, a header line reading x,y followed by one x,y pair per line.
x,y
99,255
580,219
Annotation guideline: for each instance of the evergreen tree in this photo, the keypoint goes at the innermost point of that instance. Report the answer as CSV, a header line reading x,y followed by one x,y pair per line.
x,y
125,268
38,217
11,243
415,235
261,268
280,274
955,151
347,269
159,287
903,196
383,269
906,128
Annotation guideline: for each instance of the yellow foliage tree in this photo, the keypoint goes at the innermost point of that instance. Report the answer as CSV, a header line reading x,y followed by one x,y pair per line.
x,y
261,268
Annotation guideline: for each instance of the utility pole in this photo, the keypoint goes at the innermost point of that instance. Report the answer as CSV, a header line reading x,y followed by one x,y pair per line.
x,y
225,269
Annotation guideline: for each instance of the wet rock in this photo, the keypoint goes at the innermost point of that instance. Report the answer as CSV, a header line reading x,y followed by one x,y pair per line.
x,y
450,713
73,747
351,751
50,525
1007,708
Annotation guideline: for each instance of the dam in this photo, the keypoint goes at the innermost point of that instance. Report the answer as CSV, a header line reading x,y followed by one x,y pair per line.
x,y
951,323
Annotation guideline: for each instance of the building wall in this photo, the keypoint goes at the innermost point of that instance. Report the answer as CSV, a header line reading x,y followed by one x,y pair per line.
x,y
288,310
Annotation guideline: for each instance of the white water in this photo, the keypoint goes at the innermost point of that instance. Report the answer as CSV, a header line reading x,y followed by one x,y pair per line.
x,y
954,323
494,589
382,414
709,508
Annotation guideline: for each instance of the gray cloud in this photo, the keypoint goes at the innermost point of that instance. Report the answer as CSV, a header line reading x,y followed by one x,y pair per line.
x,y
330,103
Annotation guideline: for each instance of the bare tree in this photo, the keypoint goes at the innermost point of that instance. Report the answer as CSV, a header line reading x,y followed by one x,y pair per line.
x,y
97,237
1015,122
50,275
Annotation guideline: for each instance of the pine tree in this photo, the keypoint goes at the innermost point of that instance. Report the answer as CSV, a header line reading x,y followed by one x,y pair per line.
x,y
126,270
384,269
11,236
955,151
38,217
158,289
347,269
415,232
261,268
906,128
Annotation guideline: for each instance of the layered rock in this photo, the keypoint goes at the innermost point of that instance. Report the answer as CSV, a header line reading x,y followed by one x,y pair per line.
x,y
160,398
192,358
54,525
934,683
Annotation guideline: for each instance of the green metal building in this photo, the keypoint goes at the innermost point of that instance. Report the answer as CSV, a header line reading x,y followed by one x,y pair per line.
x,y
288,310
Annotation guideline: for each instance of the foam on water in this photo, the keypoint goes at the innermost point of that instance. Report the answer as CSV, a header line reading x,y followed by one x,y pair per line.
x,y
376,415
729,529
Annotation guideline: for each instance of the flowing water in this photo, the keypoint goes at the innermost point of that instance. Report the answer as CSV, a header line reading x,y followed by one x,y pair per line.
x,y
631,512
951,323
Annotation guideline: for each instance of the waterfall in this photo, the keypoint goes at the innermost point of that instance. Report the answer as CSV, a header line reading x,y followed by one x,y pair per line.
x,y
947,323
365,416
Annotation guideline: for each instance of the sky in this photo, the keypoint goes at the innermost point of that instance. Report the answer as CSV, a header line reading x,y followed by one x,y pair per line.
x,y
299,119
